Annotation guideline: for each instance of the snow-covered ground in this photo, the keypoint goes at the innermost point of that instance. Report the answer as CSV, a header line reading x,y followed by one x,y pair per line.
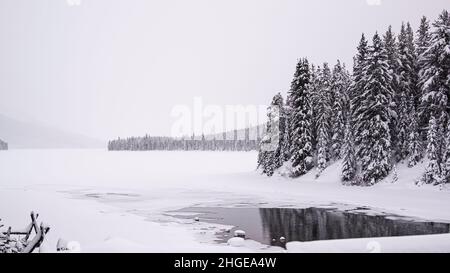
x,y
118,201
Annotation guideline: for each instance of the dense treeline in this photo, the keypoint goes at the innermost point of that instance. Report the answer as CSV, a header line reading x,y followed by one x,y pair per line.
x,y
393,108
205,143
3,145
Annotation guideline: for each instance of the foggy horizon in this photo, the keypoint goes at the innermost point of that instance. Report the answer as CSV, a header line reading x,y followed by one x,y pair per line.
x,y
108,68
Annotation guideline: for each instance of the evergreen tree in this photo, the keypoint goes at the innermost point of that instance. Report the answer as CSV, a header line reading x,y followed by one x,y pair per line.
x,y
396,99
348,155
270,157
406,91
372,117
322,149
280,110
357,86
390,48
340,107
286,141
300,123
435,84
435,71
432,173
423,36
323,118
411,59
314,91
445,166
414,141
422,44
261,158
413,72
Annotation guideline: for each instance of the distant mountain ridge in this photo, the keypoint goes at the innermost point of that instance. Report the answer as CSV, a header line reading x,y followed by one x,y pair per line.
x,y
32,135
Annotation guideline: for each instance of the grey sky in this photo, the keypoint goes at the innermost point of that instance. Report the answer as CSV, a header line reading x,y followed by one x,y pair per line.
x,y
110,68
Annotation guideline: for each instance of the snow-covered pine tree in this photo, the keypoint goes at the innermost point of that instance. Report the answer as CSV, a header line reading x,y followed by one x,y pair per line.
x,y
414,140
260,159
445,165
405,92
300,122
323,119
286,141
432,173
270,157
390,46
203,143
435,71
357,86
411,146
340,83
423,36
422,43
401,129
415,152
414,71
322,149
356,96
313,91
441,135
372,117
435,84
278,104
348,155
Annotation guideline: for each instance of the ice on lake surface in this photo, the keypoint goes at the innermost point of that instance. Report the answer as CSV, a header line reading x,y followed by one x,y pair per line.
x,y
268,225
126,196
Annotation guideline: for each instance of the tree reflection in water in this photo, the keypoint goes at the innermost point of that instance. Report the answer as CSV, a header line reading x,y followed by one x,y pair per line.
x,y
268,225
324,224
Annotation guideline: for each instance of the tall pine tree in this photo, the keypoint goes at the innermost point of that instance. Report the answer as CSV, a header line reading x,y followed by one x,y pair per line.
x,y
432,173
414,141
422,44
372,117
406,92
301,120
270,157
357,86
396,99
445,165
323,118
340,83
348,155
435,71
286,141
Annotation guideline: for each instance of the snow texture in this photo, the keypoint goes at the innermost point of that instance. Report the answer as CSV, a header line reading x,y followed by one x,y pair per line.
x,y
110,202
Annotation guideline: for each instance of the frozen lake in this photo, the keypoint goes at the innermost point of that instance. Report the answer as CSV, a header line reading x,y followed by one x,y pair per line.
x,y
119,201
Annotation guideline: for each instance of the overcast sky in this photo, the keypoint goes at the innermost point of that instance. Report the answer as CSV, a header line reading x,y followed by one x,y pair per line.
x,y
108,68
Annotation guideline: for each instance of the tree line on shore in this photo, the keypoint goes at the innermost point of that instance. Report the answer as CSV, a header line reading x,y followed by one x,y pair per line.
x,y
202,143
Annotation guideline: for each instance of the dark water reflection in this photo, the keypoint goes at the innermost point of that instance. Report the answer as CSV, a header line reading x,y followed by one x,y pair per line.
x,y
267,225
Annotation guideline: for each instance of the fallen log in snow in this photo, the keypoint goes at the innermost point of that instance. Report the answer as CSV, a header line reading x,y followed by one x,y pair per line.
x,y
18,241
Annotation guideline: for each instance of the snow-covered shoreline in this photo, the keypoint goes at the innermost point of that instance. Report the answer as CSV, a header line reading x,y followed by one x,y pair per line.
x,y
117,201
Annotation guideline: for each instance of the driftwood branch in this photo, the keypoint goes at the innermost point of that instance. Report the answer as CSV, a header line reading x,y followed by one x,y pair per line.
x,y
25,244
37,240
